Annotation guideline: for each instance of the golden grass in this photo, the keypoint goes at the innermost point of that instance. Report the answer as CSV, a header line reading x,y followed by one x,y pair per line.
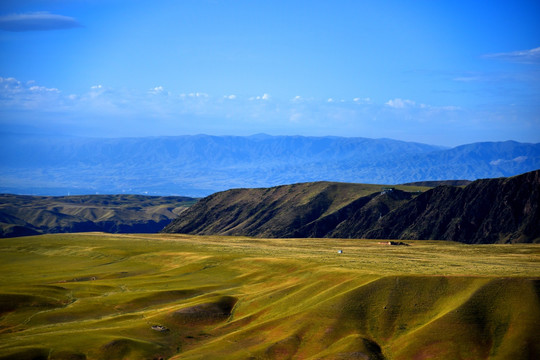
x,y
97,296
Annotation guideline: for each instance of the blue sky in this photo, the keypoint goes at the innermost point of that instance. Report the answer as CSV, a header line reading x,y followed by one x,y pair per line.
x,y
438,72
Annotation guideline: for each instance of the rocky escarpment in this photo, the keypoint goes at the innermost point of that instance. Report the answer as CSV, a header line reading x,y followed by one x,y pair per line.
x,y
502,210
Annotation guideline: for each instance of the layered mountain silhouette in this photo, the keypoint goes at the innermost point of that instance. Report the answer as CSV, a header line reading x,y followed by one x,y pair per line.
x,y
201,165
500,210
22,215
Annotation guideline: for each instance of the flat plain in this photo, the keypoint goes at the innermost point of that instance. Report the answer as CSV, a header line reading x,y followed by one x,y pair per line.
x,y
161,296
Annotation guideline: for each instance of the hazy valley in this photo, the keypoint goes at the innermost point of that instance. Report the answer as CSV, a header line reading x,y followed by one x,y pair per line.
x,y
201,165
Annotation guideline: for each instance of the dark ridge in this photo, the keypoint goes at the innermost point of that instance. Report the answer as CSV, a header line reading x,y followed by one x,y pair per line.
x,y
501,210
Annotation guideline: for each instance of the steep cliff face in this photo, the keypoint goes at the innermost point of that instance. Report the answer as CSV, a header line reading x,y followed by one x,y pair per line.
x,y
503,210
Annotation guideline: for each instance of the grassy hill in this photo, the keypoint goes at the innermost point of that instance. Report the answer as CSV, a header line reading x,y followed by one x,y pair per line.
x,y
22,215
501,210
107,296
282,211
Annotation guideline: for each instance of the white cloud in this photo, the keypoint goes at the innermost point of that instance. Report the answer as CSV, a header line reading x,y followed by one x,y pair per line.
x,y
157,90
43,88
37,21
365,100
20,95
263,97
11,86
101,108
531,56
400,103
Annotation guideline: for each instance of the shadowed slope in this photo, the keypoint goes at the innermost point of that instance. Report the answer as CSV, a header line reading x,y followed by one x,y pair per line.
x,y
503,210
299,210
22,215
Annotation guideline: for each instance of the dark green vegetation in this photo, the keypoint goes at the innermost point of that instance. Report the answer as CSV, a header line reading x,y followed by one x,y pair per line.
x,y
22,215
503,210
105,296
201,165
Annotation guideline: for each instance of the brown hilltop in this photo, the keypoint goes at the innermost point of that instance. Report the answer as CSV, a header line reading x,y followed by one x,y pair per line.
x,y
299,210
502,210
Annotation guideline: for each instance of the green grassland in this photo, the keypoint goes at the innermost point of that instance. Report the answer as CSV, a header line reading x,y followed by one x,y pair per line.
x,y
107,296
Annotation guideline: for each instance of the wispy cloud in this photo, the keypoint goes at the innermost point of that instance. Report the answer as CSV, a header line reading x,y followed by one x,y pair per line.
x,y
365,100
37,21
156,111
14,93
158,90
531,56
400,103
263,97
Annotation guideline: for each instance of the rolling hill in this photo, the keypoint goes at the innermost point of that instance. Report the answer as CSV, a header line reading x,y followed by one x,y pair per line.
x,y
22,215
501,210
168,296
201,165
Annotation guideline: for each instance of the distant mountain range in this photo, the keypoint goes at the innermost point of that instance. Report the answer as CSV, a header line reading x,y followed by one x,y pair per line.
x,y
201,165
22,215
501,210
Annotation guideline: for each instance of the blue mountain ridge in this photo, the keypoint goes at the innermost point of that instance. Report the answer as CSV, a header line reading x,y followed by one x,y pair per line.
x,y
198,165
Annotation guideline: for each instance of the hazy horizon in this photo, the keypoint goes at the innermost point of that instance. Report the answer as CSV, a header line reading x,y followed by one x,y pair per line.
x,y
443,73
